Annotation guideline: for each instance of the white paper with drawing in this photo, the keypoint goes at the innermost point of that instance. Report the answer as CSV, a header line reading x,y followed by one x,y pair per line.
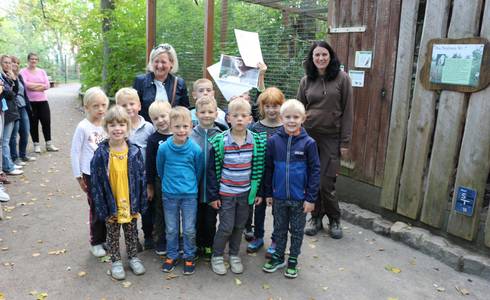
x,y
249,47
228,89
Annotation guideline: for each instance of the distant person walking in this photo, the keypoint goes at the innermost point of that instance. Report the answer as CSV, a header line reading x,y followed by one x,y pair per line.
x,y
160,83
37,83
326,92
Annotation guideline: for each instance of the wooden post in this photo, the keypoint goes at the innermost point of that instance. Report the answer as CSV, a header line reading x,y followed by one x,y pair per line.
x,y
151,16
224,23
400,104
449,126
421,121
474,157
208,36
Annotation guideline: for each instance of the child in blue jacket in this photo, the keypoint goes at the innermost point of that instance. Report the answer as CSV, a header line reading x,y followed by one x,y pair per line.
x,y
292,179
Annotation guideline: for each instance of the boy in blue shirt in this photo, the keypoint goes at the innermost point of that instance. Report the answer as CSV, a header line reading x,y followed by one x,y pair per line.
x,y
292,179
179,165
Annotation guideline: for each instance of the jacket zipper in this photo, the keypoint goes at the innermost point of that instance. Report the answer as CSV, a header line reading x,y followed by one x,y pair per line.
x,y
205,164
288,157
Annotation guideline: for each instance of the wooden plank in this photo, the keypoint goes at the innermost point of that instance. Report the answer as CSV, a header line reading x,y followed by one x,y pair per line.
x,y
375,87
151,27
361,97
474,158
400,104
388,84
449,125
421,121
208,36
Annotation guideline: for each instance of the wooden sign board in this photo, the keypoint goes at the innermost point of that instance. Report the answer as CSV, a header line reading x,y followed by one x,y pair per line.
x,y
461,65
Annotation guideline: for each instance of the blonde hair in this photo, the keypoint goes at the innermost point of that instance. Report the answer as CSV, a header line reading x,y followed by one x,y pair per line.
x,y
270,96
159,107
200,81
180,113
172,56
206,100
117,114
239,104
92,93
293,105
127,92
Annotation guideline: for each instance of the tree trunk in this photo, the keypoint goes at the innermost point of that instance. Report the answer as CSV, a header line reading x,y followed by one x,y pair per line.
x,y
106,7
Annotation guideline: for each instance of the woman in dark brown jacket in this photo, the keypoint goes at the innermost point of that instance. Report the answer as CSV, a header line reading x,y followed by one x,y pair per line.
x,y
326,92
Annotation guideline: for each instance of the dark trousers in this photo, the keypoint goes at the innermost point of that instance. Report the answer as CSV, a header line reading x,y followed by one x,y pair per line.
x,y
257,214
147,219
158,214
233,215
97,228
289,215
40,113
205,225
329,152
130,237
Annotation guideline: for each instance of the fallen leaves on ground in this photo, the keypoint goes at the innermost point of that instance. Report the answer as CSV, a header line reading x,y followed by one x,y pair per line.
x,y
265,286
57,252
325,288
171,276
341,269
392,298
238,281
82,274
36,254
126,284
2,296
392,269
4,248
39,296
439,288
105,259
463,291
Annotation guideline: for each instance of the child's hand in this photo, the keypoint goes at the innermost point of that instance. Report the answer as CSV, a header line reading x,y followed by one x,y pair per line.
x,y
150,191
216,204
345,153
82,184
258,200
269,201
262,68
308,207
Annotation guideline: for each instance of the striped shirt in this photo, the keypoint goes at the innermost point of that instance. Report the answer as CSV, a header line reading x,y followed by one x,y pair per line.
x,y
237,166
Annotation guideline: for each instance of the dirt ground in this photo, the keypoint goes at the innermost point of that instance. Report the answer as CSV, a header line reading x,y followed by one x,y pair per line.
x,y
44,249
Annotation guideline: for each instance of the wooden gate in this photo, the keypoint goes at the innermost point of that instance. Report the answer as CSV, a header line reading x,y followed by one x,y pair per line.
x,y
368,25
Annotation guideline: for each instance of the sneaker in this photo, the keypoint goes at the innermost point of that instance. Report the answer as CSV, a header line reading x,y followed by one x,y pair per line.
x,y
4,197
28,158
249,235
255,245
314,225
136,265
189,267
218,265
207,253
51,148
161,247
37,148
236,265
149,244
271,250
334,229
169,265
17,167
292,269
117,270
97,250
274,264
15,172
19,162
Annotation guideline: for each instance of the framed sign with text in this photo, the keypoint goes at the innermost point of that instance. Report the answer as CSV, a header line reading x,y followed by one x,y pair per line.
x,y
457,64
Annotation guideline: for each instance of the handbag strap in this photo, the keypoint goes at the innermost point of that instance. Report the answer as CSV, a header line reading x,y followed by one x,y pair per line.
x,y
174,90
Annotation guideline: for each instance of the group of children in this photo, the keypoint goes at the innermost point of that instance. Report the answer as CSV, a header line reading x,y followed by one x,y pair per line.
x,y
172,172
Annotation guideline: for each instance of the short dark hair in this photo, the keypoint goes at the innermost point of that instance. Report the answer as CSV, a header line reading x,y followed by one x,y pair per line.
x,y
31,54
333,67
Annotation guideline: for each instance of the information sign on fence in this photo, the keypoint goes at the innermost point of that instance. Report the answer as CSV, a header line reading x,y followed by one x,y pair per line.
x,y
465,201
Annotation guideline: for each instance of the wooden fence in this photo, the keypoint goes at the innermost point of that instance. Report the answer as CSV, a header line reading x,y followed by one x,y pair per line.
x,y
437,142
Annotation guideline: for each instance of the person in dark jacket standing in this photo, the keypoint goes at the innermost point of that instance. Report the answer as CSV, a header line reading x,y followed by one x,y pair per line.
x,y
292,178
326,92
160,83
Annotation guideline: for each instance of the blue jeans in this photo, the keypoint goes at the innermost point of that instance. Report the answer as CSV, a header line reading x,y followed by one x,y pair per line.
x,y
22,128
8,164
173,209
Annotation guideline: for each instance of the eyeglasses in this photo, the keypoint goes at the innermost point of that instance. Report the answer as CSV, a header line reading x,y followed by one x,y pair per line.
x,y
163,46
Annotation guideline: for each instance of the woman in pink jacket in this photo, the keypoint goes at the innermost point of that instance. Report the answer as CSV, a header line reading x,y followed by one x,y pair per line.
x,y
37,83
